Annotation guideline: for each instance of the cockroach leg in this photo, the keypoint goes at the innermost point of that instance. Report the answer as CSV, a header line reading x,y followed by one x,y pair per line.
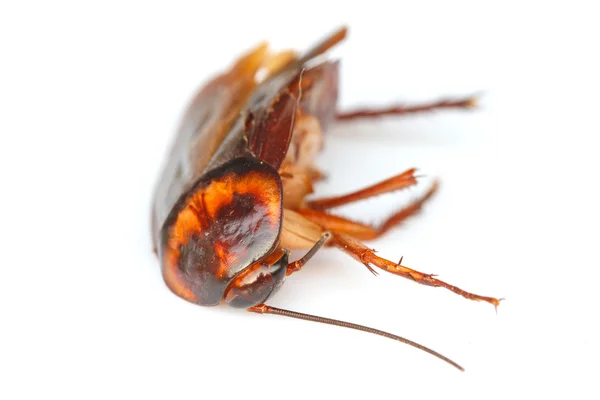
x,y
298,232
298,264
466,103
341,224
362,231
366,256
394,183
410,209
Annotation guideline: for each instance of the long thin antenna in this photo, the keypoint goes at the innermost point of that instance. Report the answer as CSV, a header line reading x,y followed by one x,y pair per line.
x,y
265,309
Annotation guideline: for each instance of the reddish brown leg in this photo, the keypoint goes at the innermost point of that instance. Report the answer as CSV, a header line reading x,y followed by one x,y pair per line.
x,y
467,103
397,182
363,231
366,256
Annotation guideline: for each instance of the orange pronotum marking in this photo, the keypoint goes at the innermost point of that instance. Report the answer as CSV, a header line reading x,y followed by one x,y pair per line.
x,y
201,210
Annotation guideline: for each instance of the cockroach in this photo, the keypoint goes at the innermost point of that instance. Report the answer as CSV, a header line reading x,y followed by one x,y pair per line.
x,y
231,201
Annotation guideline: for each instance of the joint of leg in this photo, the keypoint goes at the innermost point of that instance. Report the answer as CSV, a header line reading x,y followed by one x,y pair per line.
x,y
363,256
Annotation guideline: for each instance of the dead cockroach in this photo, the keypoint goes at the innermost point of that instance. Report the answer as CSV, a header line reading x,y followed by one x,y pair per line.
x,y
231,200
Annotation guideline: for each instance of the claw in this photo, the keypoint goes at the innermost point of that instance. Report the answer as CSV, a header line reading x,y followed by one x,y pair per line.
x,y
371,269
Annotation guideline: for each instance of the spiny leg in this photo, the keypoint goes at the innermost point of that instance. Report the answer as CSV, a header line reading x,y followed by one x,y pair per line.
x,y
367,257
299,232
392,184
466,103
362,231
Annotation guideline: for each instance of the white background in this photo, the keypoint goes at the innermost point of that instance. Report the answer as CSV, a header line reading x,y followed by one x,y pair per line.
x,y
90,97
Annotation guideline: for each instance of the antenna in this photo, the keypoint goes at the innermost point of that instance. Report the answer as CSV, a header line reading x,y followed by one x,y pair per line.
x,y
265,309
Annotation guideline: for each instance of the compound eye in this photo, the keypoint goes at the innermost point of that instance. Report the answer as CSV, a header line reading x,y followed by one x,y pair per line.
x,y
258,282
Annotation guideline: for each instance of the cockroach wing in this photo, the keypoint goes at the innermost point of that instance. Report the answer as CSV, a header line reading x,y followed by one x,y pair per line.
x,y
270,130
269,125
204,125
265,126
232,117
319,92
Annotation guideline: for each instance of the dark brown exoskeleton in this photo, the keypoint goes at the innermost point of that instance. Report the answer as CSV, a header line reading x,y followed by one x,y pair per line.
x,y
231,200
